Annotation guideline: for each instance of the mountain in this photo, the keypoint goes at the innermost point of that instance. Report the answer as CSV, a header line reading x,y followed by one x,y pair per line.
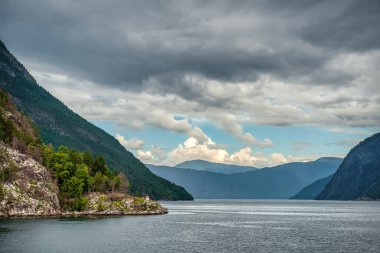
x,y
279,182
61,126
313,190
358,177
214,167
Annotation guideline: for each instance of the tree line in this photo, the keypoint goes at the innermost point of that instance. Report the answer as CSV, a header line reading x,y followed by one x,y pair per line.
x,y
78,173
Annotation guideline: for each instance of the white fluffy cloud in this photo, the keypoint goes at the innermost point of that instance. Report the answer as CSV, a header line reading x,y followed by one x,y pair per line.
x,y
130,144
200,146
191,149
145,156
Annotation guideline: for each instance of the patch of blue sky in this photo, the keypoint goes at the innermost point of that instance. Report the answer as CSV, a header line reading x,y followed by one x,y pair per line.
x,y
152,136
297,141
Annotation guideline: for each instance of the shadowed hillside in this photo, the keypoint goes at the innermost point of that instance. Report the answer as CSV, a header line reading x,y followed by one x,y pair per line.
x,y
358,177
214,167
279,182
313,190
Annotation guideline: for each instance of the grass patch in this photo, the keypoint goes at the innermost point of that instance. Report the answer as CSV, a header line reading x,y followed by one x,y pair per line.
x,y
138,201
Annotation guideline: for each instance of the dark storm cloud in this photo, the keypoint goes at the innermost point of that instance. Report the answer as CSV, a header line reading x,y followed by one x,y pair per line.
x,y
353,26
128,43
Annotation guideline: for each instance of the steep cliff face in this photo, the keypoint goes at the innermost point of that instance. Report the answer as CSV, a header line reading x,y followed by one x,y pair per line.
x,y
358,177
26,187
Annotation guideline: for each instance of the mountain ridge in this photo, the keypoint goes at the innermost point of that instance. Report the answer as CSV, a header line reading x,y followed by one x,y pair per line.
x,y
224,168
358,177
279,182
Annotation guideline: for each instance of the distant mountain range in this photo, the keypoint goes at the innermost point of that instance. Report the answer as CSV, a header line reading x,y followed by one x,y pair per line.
x,y
313,190
279,182
358,177
214,167
61,126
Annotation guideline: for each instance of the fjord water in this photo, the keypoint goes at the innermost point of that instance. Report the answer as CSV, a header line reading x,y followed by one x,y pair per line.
x,y
208,226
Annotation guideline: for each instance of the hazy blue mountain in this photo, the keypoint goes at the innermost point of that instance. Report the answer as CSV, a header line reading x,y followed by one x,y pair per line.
x,y
313,190
61,126
279,182
359,174
214,167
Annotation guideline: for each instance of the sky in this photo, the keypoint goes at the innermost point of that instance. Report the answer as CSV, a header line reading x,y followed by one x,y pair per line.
x,y
249,82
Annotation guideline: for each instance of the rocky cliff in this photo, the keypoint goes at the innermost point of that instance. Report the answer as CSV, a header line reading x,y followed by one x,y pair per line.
x,y
27,188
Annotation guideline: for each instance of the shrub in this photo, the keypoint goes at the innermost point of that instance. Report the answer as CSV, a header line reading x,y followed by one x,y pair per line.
x,y
2,192
80,204
101,207
138,201
114,196
4,157
9,171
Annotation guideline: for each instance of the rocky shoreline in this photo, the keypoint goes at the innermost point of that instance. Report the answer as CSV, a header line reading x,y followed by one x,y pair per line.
x,y
98,204
114,213
31,192
85,214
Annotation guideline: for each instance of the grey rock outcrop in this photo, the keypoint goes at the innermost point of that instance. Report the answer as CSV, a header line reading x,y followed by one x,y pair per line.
x,y
29,189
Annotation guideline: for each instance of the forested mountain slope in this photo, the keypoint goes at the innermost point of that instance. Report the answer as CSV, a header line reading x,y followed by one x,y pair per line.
x,y
358,177
59,125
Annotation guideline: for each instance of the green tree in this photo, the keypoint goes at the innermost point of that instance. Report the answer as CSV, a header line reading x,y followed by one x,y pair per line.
x,y
83,175
74,187
105,183
70,167
98,181
88,159
75,157
47,152
63,149
63,176
100,165
58,158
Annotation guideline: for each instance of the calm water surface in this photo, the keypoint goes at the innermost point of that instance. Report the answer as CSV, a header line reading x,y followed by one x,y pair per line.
x,y
208,226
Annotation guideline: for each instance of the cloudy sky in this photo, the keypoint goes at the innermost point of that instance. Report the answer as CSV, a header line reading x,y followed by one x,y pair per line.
x,y
247,82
